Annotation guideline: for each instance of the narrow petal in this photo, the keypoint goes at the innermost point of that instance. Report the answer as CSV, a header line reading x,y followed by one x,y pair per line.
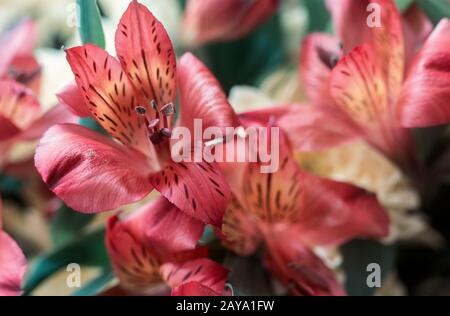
x,y
358,87
356,25
319,55
239,233
207,273
198,189
202,97
73,99
18,104
424,98
416,27
90,172
109,94
299,269
19,41
156,233
334,212
147,55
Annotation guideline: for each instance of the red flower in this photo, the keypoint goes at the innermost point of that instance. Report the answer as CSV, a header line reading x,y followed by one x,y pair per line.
x,y
13,264
156,247
133,100
216,20
366,80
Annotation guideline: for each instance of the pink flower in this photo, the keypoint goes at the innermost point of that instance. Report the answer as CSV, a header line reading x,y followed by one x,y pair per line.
x,y
216,20
367,82
21,118
156,247
13,264
133,100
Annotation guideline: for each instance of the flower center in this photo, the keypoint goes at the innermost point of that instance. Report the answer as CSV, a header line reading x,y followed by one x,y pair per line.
x,y
158,126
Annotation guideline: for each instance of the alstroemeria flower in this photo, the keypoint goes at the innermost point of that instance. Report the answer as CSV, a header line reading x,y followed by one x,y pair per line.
x,y
217,20
155,248
13,264
289,213
21,118
16,55
357,84
133,100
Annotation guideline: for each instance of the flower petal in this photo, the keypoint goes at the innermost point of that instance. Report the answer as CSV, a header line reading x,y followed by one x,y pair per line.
x,y
334,212
193,289
299,269
18,104
215,20
319,55
204,271
198,189
424,98
90,172
202,97
239,233
156,233
417,27
146,53
19,41
109,94
73,99
352,23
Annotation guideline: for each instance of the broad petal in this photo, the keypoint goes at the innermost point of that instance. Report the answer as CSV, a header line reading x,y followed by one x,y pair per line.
x,y
193,289
204,271
147,55
90,172
308,127
73,99
13,266
109,94
58,114
424,98
334,212
215,20
202,97
299,269
164,229
17,104
319,54
19,41
7,129
197,188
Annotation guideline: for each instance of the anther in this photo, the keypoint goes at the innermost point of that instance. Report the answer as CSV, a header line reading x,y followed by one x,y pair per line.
x,y
153,105
140,110
168,109
166,132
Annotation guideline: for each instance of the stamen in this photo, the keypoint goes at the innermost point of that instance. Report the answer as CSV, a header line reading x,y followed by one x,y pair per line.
x,y
140,110
153,123
330,59
166,132
168,109
153,105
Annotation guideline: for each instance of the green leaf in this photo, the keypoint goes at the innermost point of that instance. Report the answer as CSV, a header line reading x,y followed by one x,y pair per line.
x,y
403,5
245,60
67,225
435,9
91,30
88,250
97,285
319,17
358,255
